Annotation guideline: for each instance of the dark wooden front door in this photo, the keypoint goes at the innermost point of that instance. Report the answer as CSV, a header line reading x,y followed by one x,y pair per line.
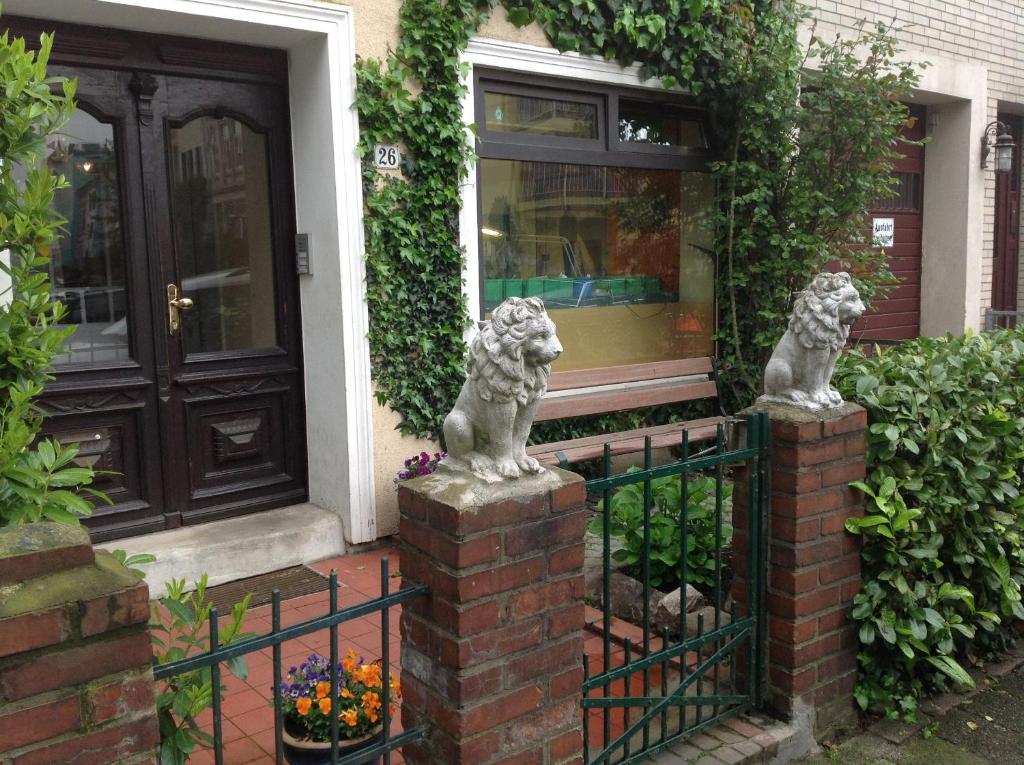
x,y
183,378
1007,239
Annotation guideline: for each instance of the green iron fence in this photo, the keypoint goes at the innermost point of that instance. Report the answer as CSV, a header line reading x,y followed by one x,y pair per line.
x,y
220,654
668,683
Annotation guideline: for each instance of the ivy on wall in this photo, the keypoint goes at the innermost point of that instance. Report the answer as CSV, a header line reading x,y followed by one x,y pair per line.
x,y
413,259
800,167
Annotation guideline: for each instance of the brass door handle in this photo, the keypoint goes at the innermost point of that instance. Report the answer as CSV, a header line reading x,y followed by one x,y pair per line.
x,y
175,304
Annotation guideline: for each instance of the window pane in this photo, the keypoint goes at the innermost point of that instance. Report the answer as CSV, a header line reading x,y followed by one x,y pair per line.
x,y
541,116
658,125
906,193
222,235
619,256
87,264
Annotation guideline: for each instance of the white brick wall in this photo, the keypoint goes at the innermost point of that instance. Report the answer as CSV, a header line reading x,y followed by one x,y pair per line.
x,y
989,33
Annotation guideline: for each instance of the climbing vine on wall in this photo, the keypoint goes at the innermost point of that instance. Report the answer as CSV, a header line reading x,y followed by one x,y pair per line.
x,y
800,166
413,260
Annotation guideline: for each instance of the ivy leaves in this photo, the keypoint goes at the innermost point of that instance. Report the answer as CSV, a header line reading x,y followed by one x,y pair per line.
x,y
413,259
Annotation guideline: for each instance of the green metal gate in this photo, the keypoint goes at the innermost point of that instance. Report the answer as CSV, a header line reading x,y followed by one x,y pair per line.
x,y
649,686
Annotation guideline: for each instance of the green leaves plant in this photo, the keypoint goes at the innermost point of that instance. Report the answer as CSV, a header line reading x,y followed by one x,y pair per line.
x,y
943,563
182,617
626,517
36,478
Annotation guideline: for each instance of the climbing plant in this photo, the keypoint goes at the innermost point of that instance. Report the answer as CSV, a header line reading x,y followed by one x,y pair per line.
x,y
802,158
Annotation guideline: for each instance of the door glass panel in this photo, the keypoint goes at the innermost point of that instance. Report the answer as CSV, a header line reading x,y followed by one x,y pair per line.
x,y
620,256
87,264
221,212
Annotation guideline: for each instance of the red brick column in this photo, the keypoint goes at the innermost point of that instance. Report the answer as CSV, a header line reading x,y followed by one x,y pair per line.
x,y
813,563
492,658
76,684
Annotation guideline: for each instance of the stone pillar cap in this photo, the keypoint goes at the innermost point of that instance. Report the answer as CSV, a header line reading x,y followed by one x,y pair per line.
x,y
792,413
34,549
459,489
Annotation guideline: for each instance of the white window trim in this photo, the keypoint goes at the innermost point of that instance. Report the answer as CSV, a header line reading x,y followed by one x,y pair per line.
x,y
320,40
532,59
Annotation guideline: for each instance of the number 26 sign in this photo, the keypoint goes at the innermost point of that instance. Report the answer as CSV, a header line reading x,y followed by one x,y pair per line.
x,y
387,156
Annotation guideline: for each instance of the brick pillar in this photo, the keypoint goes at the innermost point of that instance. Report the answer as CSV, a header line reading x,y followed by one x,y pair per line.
x,y
76,685
492,658
813,563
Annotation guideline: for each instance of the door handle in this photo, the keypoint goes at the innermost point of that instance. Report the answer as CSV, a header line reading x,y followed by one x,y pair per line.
x,y
175,305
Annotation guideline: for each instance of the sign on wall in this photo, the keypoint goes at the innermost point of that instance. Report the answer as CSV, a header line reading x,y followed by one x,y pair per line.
x,y
387,156
883,231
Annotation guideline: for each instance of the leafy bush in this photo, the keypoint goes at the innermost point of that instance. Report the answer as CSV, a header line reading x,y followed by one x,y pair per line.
x,y
943,561
184,697
627,525
36,480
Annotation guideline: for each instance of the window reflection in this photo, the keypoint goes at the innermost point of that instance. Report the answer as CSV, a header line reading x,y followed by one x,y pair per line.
x,y
87,264
658,125
507,113
619,255
223,236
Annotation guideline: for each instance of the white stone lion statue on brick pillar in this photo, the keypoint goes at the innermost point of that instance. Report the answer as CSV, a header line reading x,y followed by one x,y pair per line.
x,y
507,373
801,366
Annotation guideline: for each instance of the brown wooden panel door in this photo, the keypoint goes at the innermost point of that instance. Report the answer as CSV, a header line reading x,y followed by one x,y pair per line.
x,y
234,431
104,396
179,176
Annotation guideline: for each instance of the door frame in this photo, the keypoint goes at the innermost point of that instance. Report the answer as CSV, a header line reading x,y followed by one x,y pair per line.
x,y
1006,227
320,44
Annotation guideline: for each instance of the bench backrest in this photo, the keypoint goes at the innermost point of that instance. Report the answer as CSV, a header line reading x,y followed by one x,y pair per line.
x,y
610,389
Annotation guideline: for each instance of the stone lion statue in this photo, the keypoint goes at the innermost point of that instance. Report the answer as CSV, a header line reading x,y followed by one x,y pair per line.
x,y
507,373
801,366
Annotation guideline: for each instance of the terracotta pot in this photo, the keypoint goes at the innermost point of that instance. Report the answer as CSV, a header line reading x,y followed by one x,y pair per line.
x,y
298,752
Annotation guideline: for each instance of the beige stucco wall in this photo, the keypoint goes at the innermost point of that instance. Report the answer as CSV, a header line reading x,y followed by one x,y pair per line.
x,y
980,35
376,23
390,451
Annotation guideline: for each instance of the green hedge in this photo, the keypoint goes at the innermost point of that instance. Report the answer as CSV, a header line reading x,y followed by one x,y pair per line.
x,y
943,562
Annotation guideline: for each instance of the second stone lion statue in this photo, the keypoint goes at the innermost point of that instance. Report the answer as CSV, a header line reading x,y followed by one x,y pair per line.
x,y
801,366
507,373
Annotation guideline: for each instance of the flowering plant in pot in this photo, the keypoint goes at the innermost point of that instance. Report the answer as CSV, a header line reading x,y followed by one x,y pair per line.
x,y
307,708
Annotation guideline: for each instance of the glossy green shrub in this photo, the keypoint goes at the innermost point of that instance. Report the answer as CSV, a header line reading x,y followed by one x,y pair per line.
x,y
943,562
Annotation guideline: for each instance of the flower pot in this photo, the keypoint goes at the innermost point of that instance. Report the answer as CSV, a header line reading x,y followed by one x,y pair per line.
x,y
297,752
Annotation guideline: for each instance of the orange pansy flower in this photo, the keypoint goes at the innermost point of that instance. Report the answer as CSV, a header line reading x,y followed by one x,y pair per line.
x,y
322,689
325,706
302,705
346,694
350,661
350,717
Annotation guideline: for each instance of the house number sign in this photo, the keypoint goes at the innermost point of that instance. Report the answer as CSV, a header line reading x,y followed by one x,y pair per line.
x,y
387,156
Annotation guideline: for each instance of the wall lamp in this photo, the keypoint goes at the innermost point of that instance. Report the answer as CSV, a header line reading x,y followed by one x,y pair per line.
x,y
1004,146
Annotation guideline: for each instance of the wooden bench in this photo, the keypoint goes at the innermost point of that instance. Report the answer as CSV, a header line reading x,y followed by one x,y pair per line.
x,y
611,389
